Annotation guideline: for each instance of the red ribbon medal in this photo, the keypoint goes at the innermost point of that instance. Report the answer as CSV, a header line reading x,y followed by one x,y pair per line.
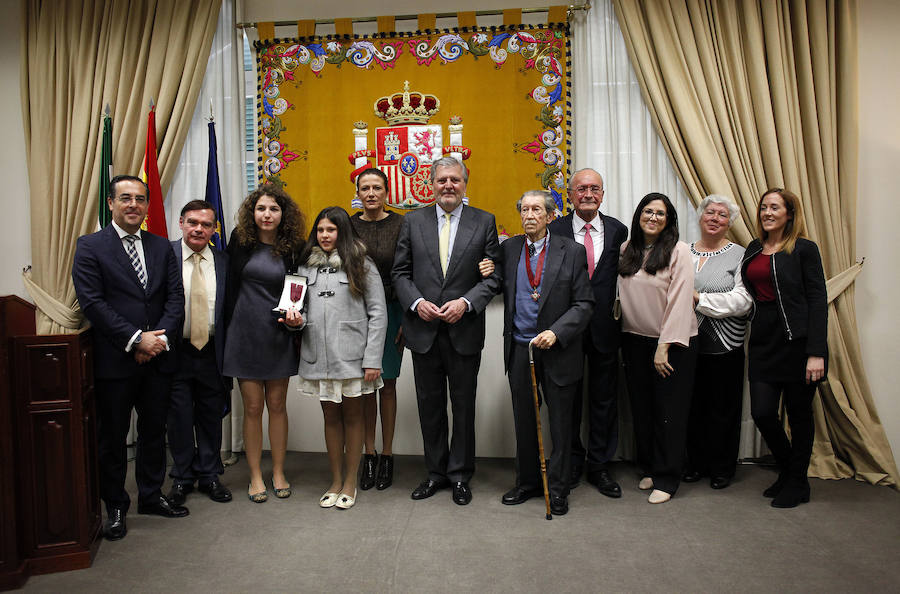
x,y
534,278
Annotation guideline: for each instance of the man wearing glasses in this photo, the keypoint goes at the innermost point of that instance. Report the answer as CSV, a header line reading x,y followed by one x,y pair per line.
x,y
128,283
602,237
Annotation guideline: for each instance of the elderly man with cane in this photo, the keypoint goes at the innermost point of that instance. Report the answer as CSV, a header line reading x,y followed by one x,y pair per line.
x,y
548,304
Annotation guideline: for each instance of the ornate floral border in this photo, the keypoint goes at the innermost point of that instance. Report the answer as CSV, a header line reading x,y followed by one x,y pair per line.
x,y
545,48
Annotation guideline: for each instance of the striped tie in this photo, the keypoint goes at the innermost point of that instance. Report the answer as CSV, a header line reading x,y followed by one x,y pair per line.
x,y
136,260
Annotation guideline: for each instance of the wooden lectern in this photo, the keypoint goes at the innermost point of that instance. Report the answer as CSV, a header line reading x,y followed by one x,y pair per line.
x,y
49,489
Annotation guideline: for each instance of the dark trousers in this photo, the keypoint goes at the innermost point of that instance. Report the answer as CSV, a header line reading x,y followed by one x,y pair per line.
x,y
147,392
660,407
560,401
196,408
714,429
601,375
434,371
792,455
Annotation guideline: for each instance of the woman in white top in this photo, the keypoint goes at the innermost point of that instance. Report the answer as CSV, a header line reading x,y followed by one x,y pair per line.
x,y
659,346
722,304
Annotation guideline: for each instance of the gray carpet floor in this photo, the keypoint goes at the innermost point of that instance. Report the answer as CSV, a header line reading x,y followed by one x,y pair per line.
x,y
847,539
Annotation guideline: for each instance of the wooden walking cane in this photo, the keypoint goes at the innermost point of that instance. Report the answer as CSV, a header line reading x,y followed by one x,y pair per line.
x,y
537,416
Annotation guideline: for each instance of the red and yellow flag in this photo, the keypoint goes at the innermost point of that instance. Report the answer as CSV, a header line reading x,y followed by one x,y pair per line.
x,y
156,215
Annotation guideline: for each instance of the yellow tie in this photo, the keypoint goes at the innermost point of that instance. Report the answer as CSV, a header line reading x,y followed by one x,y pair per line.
x,y
199,306
444,245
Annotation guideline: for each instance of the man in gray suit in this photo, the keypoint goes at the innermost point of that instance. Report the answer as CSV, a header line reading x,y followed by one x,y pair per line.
x,y
444,296
199,391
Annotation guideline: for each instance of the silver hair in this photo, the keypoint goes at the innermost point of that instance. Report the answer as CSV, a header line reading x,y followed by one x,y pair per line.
x,y
585,169
549,202
449,162
733,210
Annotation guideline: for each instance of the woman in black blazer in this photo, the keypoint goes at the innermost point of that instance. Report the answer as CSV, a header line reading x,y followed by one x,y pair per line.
x,y
788,348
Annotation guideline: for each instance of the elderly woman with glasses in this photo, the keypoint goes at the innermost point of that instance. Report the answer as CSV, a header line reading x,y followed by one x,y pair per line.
x,y
722,304
659,341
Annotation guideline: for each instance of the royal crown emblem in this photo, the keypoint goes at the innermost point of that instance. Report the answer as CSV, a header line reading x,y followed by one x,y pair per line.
x,y
405,149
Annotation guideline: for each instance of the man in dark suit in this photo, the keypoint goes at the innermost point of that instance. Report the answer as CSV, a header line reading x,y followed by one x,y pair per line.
x,y
128,284
601,236
548,302
444,296
199,391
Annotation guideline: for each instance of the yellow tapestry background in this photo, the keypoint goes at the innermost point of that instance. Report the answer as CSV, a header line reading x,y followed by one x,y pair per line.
x,y
307,110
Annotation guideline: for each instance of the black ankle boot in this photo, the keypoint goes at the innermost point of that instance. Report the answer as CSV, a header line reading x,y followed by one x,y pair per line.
x,y
369,464
385,472
776,487
794,492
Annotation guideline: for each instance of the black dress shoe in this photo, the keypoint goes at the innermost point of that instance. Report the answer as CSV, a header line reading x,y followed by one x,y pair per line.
x,y
462,494
179,491
719,482
575,475
605,483
369,466
114,528
559,506
163,507
216,491
690,476
385,472
518,495
428,488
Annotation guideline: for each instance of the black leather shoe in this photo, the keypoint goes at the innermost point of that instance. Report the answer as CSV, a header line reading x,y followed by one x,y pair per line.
x,y
605,483
792,494
216,491
179,492
719,482
114,528
690,476
428,488
559,506
385,472
518,495
369,466
575,475
462,494
163,507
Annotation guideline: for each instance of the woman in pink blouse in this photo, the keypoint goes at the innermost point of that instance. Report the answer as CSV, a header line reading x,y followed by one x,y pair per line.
x,y
659,346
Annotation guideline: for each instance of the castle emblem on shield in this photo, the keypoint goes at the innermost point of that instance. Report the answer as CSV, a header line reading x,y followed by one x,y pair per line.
x,y
406,147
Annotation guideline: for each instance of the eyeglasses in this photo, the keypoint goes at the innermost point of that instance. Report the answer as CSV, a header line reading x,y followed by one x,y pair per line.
x,y
716,213
653,214
584,190
129,199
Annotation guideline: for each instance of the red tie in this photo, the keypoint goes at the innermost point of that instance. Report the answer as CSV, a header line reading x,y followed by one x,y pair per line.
x,y
589,249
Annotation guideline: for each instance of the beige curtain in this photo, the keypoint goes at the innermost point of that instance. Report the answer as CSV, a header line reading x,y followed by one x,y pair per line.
x,y
751,95
77,57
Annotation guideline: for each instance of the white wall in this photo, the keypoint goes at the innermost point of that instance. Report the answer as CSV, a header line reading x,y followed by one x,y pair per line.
x,y
878,287
15,234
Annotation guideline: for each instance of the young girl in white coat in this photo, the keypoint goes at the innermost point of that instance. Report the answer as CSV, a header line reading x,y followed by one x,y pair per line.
x,y
344,324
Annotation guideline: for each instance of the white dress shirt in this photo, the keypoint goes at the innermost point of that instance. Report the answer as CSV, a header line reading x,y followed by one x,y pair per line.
x,y
208,268
596,233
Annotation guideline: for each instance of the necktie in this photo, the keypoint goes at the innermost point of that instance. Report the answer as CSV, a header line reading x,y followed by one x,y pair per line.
x,y
199,306
444,244
589,249
136,260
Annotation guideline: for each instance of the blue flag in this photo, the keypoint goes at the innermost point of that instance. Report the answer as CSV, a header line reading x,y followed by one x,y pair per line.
x,y
214,192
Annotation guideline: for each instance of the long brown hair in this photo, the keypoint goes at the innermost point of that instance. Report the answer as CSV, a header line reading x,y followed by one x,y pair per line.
x,y
796,223
289,235
658,259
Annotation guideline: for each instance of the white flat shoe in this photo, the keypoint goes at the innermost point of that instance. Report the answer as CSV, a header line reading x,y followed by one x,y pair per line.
x,y
328,499
657,496
646,484
346,501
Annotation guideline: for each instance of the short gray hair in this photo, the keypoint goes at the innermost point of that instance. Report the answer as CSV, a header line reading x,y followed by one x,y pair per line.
x,y
733,210
572,177
449,162
549,202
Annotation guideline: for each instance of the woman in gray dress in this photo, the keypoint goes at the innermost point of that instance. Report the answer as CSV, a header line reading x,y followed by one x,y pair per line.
x,y
259,350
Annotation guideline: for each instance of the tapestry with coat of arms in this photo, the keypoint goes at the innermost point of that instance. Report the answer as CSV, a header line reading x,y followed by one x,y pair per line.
x,y
497,99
